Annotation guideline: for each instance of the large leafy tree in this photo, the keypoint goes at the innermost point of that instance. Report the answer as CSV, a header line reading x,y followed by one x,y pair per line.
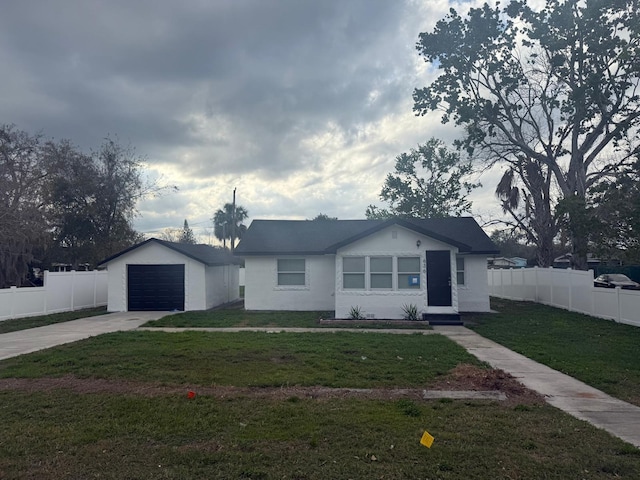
x,y
428,182
91,200
525,193
557,88
228,224
22,218
613,221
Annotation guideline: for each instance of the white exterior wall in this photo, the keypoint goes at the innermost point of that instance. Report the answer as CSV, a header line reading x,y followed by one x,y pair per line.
x,y
389,303
473,296
222,285
155,254
263,293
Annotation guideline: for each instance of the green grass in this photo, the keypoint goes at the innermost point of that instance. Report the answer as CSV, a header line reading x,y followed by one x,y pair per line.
x,y
62,434
15,324
250,359
598,352
59,435
243,318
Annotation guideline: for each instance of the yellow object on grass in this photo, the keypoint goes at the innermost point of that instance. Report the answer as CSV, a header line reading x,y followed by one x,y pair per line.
x,y
426,440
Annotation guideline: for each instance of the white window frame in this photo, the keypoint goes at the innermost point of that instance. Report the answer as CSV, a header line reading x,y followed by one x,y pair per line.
x,y
367,274
417,272
385,273
291,272
460,271
353,273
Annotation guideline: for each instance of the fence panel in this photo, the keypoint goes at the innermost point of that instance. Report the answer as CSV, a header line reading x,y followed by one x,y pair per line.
x,y
62,292
569,289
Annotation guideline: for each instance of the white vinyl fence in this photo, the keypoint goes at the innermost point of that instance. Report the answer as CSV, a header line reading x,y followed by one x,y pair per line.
x,y
62,292
565,288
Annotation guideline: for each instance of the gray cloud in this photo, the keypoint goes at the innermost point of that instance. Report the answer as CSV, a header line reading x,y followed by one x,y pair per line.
x,y
287,95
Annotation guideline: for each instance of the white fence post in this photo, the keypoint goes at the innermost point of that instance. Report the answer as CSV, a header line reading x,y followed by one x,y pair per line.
x,y
73,290
45,280
13,300
95,286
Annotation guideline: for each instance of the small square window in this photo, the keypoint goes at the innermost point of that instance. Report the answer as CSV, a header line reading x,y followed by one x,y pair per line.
x,y
291,272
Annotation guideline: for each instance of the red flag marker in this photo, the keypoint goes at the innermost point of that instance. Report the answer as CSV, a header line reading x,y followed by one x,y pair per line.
x,y
191,394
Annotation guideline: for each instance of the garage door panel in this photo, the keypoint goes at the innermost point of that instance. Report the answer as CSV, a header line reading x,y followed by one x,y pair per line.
x,y
155,287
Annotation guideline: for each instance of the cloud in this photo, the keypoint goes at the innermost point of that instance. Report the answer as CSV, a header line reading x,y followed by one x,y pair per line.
x,y
299,104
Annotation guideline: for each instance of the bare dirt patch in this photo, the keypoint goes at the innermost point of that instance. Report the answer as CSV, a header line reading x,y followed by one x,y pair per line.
x,y
463,377
471,377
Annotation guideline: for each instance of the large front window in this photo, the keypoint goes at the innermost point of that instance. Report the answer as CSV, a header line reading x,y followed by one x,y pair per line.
x,y
353,269
408,273
291,272
381,271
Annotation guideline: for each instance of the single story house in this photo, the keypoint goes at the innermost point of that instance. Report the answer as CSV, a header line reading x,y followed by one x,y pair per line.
x,y
164,276
377,266
565,261
503,262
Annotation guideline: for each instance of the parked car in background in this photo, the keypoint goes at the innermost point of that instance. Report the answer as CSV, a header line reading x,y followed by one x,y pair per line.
x,y
612,280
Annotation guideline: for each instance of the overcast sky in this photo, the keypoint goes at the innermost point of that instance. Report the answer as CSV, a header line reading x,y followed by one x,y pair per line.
x,y
302,105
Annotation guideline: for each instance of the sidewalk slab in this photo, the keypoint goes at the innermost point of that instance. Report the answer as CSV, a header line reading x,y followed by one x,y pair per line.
x,y
574,397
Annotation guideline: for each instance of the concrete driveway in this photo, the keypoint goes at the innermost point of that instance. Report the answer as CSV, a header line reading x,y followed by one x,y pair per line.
x,y
33,339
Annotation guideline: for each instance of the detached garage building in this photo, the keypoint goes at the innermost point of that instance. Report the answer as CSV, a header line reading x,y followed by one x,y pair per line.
x,y
160,275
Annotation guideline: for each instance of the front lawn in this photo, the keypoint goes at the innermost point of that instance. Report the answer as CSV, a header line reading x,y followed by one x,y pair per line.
x,y
62,435
598,352
118,408
357,360
15,324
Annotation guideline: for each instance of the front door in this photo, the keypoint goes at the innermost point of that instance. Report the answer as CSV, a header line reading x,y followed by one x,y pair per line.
x,y
439,278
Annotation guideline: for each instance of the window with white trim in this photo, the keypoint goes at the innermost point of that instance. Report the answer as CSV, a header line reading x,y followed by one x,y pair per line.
x,y
408,273
291,272
381,272
353,271
460,270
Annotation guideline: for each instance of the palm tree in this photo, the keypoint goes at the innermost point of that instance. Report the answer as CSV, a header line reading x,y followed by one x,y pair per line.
x,y
227,223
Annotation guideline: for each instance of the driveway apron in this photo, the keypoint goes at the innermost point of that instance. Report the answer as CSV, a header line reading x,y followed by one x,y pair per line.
x,y
33,339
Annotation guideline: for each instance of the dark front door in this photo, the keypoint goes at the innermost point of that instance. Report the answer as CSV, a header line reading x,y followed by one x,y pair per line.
x,y
439,278
155,287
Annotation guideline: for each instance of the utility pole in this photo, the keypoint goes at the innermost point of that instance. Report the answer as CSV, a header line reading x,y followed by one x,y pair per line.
x,y
233,221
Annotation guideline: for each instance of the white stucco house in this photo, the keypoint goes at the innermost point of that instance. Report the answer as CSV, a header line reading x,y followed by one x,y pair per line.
x,y
378,266
164,276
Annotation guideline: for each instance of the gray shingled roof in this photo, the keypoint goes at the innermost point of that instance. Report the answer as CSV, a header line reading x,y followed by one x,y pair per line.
x,y
206,254
307,237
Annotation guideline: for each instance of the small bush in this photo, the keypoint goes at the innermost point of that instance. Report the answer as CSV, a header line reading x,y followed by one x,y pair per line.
x,y
356,313
410,312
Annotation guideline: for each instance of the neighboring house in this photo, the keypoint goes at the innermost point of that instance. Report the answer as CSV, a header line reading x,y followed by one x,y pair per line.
x,y
161,275
564,261
503,262
67,267
438,265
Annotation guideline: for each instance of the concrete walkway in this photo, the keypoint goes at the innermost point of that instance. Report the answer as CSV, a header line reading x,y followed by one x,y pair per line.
x,y
576,398
26,341
619,418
